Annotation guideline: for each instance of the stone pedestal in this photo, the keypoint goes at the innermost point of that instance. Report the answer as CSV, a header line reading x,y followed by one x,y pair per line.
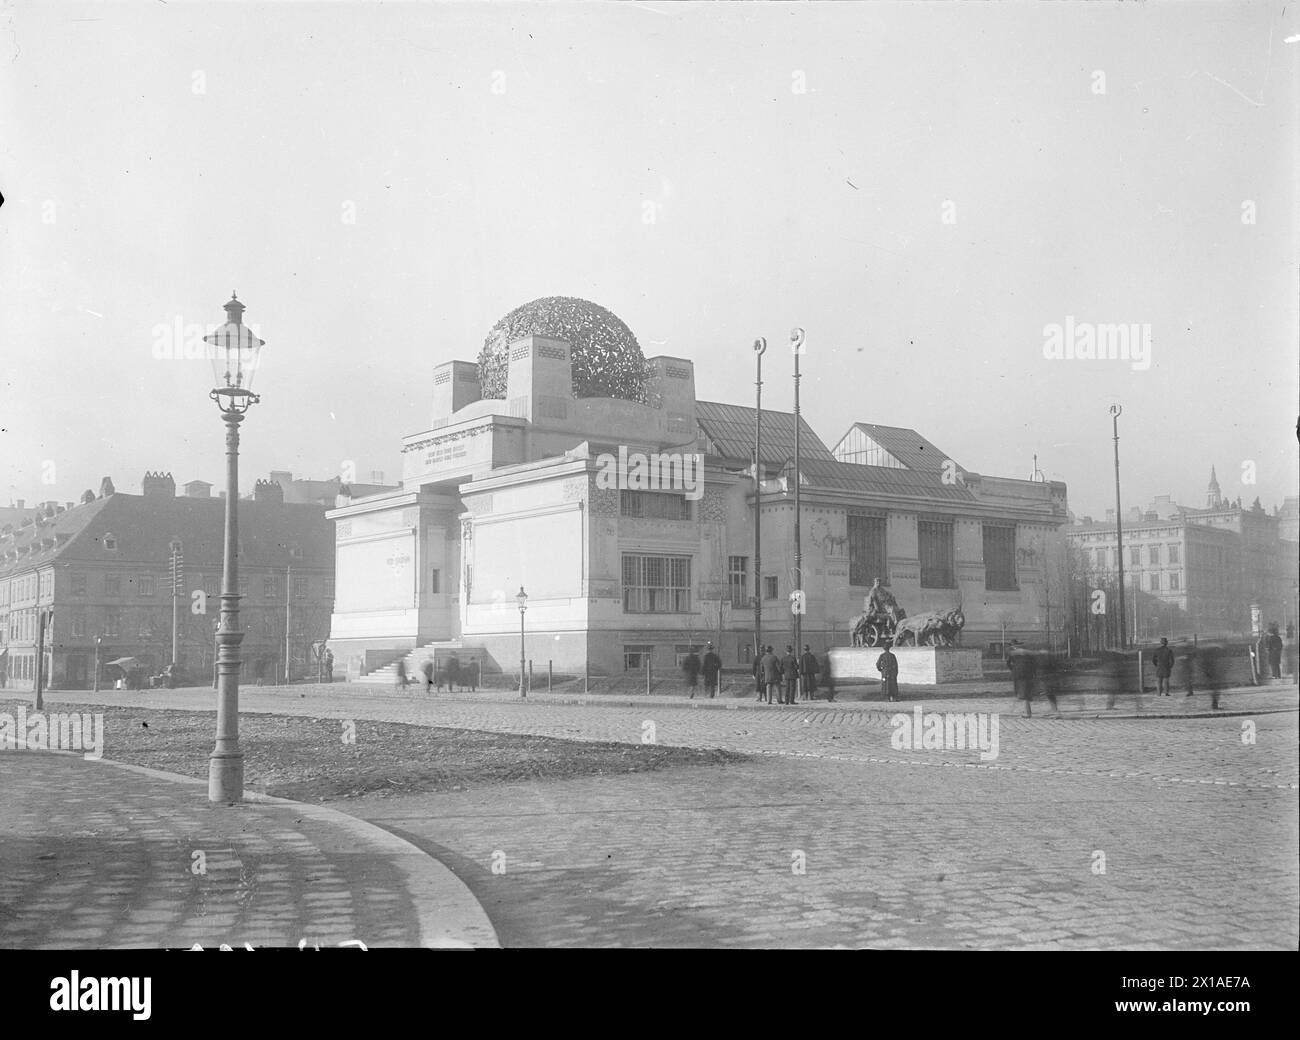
x,y
918,666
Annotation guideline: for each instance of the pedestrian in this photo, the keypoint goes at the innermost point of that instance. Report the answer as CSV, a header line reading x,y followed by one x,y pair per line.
x,y
691,666
1199,664
453,673
1163,659
712,667
1051,671
427,670
772,675
329,666
790,672
808,669
760,683
887,666
1022,668
401,672
828,676
1273,647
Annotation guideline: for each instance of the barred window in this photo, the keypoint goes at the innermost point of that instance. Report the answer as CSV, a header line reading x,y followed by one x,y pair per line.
x,y
635,657
653,505
935,541
1000,558
738,580
867,550
656,584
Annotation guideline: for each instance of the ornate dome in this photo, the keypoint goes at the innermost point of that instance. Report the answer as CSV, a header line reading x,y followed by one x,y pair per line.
x,y
607,360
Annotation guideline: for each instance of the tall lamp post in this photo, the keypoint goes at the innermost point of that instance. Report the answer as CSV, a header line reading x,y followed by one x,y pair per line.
x,y
234,360
760,347
796,347
522,600
1115,412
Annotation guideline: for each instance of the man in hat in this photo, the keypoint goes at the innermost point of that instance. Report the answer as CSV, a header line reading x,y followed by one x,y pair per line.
x,y
887,666
772,675
712,665
808,669
790,669
1163,659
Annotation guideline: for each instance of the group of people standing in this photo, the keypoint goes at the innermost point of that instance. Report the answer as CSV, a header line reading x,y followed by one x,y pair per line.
x,y
710,666
782,680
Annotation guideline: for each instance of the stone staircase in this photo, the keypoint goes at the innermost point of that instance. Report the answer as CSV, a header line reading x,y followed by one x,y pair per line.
x,y
438,650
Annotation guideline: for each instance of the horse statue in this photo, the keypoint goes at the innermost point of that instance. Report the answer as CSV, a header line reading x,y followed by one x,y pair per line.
x,y
875,629
921,627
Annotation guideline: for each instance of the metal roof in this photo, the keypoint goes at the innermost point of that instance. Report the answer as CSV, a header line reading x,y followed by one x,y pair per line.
x,y
906,445
730,428
880,480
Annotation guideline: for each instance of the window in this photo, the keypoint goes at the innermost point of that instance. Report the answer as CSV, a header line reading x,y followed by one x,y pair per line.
x,y
1173,583
110,542
146,585
1000,558
636,657
653,505
112,622
1153,555
112,585
1135,555
78,582
270,590
656,584
867,550
738,580
243,585
435,582
268,624
300,588
146,627
682,649
1153,581
78,626
1101,559
1173,554
769,587
210,585
935,543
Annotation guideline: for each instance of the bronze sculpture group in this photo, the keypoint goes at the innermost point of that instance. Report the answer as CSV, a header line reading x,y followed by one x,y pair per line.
x,y
885,622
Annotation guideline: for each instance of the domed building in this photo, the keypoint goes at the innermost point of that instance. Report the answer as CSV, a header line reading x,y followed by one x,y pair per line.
x,y
566,464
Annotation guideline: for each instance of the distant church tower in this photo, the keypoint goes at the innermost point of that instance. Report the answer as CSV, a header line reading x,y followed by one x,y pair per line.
x,y
1213,495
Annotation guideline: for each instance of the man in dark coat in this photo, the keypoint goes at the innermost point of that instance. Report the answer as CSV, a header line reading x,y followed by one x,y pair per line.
x,y
691,666
712,666
1273,647
426,670
1022,667
760,683
887,666
790,670
772,675
828,677
1163,659
808,669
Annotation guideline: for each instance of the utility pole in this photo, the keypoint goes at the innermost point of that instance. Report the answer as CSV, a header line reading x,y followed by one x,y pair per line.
x,y
796,346
1115,412
288,600
44,617
177,564
760,346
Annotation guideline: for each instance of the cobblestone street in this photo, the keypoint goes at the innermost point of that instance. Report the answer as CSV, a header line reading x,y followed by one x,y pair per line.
x,y
831,836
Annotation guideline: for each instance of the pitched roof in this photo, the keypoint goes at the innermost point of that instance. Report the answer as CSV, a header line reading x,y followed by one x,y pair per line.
x,y
881,480
906,445
730,430
144,527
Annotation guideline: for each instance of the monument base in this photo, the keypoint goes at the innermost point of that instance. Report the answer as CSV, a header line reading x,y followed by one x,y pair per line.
x,y
919,666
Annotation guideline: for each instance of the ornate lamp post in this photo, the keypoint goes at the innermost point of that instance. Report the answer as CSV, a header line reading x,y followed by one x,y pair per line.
x,y
1115,412
522,600
797,348
234,359
760,347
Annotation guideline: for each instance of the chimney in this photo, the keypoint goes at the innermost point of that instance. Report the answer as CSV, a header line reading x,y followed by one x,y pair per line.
x,y
158,485
268,491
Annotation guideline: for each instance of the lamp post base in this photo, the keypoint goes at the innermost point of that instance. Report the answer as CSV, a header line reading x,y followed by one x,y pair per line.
x,y
226,778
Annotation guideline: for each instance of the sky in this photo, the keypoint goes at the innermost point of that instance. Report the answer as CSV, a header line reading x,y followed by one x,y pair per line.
x,y
925,189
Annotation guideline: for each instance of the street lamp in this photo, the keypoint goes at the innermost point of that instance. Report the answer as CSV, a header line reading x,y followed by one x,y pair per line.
x,y
233,350
522,600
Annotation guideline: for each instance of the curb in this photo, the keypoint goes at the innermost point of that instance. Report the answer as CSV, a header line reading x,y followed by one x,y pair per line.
x,y
448,916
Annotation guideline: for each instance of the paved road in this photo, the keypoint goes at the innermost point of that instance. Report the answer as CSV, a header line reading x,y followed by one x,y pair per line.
x,y
1194,821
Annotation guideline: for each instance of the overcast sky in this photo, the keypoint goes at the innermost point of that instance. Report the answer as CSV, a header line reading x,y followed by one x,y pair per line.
x,y
922,188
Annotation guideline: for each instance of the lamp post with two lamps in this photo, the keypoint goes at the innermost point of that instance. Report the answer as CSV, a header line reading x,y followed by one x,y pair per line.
x,y
522,600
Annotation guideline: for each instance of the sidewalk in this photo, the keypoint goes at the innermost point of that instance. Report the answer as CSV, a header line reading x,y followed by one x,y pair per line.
x,y
100,855
962,697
